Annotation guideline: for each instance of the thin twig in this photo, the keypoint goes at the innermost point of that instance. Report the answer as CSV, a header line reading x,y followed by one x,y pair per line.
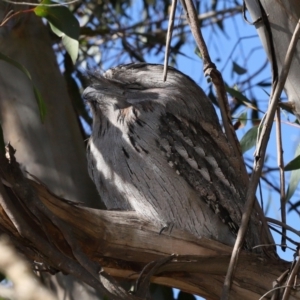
x,y
210,69
296,243
169,36
259,160
268,245
277,283
290,281
11,15
270,220
282,177
261,196
272,290
276,286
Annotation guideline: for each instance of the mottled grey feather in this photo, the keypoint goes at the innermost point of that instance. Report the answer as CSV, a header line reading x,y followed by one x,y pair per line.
x,y
157,148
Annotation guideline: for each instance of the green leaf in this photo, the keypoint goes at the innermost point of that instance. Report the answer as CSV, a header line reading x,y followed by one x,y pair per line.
x,y
243,118
238,69
293,165
237,94
198,53
63,24
37,94
249,139
41,103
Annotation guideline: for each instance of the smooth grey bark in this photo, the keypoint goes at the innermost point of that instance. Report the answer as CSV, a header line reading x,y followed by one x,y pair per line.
x,y
54,151
275,22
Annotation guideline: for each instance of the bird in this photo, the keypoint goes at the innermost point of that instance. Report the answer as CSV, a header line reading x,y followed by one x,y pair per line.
x,y
157,148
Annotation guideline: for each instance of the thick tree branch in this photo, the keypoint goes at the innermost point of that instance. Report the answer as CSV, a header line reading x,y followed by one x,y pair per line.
x,y
123,245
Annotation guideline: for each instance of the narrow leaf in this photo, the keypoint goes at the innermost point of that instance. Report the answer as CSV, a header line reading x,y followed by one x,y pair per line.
x,y
293,165
238,69
198,53
37,94
243,119
63,24
249,139
41,103
264,84
237,94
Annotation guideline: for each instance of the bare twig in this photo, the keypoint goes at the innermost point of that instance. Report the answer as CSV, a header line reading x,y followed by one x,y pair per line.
x,y
259,159
283,225
169,36
282,177
277,285
11,15
294,242
268,245
290,281
209,69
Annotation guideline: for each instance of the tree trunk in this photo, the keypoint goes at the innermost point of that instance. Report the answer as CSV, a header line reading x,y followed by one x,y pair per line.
x,y
275,22
52,151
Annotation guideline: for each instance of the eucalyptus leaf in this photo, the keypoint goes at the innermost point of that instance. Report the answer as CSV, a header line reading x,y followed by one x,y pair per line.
x,y
236,68
237,94
63,24
243,119
293,165
37,94
248,141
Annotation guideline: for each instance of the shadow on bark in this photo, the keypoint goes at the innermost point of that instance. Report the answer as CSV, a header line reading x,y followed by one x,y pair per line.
x,y
99,247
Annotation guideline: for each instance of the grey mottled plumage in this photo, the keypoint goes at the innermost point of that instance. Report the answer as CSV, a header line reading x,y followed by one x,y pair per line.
x,y
157,148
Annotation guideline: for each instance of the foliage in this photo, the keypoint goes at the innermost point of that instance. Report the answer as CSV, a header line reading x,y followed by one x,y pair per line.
x,y
63,24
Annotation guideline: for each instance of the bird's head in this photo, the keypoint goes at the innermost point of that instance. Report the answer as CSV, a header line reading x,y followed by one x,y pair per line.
x,y
138,87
